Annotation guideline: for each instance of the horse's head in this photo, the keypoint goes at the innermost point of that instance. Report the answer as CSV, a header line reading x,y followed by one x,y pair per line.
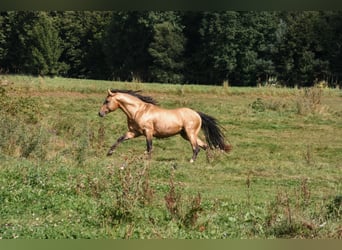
x,y
109,105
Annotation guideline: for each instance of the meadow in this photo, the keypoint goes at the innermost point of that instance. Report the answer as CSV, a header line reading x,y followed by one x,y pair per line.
x,y
283,178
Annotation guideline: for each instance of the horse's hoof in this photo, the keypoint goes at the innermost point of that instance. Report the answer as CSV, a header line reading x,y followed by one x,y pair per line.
x,y
191,161
109,153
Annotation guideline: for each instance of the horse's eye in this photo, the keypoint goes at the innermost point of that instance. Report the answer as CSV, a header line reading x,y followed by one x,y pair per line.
x,y
106,102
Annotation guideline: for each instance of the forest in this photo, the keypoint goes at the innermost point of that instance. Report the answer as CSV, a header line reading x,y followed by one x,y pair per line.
x,y
289,48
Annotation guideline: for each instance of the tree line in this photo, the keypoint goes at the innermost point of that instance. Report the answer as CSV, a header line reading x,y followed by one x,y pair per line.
x,y
240,48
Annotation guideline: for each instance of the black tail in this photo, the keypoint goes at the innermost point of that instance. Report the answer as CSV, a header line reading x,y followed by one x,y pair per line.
x,y
213,133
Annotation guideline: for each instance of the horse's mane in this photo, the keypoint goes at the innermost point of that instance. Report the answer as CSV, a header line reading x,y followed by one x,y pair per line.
x,y
147,99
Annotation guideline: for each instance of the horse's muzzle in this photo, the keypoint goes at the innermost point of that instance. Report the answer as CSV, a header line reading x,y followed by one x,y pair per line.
x,y
102,114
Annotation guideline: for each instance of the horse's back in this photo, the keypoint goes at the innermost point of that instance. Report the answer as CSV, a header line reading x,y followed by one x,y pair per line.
x,y
183,114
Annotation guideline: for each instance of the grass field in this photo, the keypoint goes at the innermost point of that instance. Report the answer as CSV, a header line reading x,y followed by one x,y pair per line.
x,y
283,178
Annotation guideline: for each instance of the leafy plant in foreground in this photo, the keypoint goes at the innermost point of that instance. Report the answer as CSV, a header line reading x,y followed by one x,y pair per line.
x,y
187,216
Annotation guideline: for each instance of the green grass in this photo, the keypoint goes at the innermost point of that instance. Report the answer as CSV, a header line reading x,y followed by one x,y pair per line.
x,y
282,179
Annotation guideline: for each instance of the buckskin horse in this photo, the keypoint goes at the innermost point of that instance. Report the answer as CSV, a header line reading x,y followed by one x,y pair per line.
x,y
145,117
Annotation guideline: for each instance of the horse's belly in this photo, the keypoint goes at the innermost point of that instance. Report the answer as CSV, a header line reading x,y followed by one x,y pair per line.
x,y
167,125
166,130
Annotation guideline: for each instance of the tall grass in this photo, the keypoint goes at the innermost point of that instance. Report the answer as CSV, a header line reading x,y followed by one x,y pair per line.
x,y
282,180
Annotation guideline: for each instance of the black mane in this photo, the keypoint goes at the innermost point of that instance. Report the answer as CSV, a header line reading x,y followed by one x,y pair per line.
x,y
147,99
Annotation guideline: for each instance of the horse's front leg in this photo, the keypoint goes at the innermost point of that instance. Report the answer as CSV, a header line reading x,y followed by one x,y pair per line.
x,y
149,137
127,136
149,147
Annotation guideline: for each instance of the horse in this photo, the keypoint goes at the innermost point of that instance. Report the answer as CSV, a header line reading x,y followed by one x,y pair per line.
x,y
145,117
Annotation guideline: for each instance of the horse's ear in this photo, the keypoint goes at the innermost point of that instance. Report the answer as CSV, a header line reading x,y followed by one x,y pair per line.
x,y
110,92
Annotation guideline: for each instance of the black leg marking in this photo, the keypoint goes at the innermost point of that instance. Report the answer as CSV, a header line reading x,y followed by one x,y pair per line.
x,y
195,153
118,141
149,147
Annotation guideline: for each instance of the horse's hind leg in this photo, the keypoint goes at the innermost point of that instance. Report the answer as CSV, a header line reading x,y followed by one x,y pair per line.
x,y
202,144
195,150
127,136
192,138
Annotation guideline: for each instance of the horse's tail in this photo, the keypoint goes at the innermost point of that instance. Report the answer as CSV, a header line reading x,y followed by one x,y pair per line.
x,y
213,133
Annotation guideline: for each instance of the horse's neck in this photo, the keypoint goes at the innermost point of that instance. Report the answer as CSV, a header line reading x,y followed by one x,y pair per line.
x,y
130,105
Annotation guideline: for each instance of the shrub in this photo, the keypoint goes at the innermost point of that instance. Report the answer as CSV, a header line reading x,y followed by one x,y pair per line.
x,y
184,214
258,105
309,100
131,191
334,208
20,133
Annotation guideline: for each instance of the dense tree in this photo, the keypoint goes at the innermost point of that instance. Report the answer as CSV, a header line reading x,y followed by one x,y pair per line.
x,y
166,51
126,45
3,29
299,59
81,33
255,39
330,44
32,44
244,48
216,57
45,48
18,28
191,21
